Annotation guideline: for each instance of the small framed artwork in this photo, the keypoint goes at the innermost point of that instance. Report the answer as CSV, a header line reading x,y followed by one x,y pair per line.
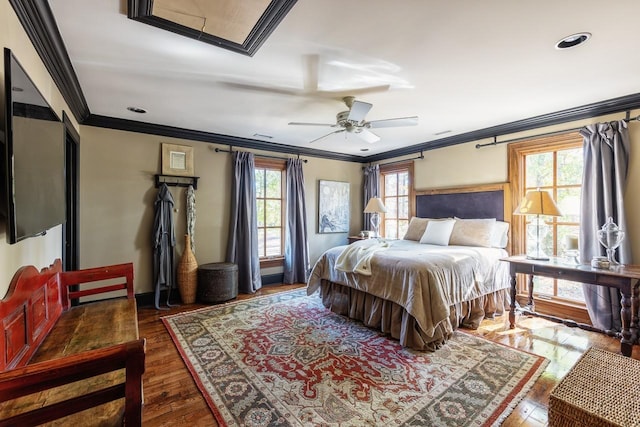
x,y
177,160
333,207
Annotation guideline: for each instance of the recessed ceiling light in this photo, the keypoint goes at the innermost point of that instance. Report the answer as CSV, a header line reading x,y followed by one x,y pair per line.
x,y
573,40
137,110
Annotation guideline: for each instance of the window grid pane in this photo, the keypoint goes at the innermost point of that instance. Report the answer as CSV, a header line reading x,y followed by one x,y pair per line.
x,y
560,173
396,201
269,206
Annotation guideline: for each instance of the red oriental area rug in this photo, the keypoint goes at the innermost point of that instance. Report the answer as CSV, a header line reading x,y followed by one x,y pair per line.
x,y
284,359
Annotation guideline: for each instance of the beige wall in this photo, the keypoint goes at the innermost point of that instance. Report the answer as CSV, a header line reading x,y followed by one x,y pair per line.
x,y
466,165
37,251
117,194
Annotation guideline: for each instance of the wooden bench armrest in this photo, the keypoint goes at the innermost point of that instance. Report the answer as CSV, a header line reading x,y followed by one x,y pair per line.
x,y
79,277
53,373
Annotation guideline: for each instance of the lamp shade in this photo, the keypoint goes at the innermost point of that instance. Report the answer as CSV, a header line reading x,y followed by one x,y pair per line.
x,y
375,205
538,202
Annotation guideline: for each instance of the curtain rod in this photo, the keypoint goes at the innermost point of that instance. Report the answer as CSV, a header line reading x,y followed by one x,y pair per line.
x,y
230,150
557,132
420,157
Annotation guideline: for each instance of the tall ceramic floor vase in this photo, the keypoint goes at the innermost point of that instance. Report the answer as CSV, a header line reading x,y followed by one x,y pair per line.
x,y
187,273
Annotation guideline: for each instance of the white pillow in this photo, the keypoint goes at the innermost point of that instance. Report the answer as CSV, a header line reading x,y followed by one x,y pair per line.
x,y
500,235
472,232
438,232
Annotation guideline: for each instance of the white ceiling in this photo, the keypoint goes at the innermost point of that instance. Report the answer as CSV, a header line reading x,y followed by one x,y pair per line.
x,y
458,65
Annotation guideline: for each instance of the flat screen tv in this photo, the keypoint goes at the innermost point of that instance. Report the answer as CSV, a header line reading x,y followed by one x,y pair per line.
x,y
33,158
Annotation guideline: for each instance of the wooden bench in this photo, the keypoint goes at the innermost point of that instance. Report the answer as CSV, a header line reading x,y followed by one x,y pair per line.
x,y
70,365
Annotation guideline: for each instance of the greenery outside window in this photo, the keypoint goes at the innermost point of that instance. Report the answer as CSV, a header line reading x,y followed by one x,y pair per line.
x,y
398,197
554,164
270,203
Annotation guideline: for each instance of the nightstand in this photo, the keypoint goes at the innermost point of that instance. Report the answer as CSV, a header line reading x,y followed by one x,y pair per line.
x,y
352,239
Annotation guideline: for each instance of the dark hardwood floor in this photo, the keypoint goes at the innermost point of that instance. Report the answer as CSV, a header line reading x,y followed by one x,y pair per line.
x,y
172,398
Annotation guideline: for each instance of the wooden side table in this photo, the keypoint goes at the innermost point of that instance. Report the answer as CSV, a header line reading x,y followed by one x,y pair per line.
x,y
352,239
625,278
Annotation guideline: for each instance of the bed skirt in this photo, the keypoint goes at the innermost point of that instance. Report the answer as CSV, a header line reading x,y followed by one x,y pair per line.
x,y
392,319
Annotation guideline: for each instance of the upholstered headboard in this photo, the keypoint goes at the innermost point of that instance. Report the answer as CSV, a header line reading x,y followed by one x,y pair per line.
x,y
478,201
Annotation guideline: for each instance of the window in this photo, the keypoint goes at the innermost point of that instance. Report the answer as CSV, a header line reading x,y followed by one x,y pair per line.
x,y
397,195
554,164
270,203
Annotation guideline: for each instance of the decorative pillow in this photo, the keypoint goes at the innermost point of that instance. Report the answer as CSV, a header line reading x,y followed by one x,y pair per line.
x,y
472,232
438,232
416,228
500,235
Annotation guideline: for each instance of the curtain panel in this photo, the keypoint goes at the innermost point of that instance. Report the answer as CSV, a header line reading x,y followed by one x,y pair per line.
x,y
242,247
606,161
371,189
296,251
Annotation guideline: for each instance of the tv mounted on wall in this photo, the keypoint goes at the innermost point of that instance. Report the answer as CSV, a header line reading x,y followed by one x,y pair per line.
x,y
33,158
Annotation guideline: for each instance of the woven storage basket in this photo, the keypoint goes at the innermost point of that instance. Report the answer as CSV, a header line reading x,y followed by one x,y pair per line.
x,y
217,282
601,390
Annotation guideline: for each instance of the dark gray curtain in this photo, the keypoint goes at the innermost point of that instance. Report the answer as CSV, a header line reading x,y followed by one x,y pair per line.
x,y
296,246
606,158
242,247
371,189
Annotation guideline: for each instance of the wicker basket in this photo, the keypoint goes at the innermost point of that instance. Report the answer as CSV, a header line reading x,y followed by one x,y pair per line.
x,y
601,390
217,282
187,273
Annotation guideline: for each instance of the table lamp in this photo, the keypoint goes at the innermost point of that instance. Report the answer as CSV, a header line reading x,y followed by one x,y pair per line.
x,y
538,202
375,207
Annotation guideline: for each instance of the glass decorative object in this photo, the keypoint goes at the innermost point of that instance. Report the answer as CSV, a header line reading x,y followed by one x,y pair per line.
x,y
571,250
610,236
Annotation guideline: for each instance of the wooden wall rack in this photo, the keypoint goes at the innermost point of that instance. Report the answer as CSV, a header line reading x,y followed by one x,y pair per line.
x,y
177,181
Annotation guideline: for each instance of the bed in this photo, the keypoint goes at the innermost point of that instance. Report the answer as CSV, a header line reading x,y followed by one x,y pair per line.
x,y
445,273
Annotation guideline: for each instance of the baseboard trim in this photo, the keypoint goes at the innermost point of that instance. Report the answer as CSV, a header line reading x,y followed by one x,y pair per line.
x,y
147,299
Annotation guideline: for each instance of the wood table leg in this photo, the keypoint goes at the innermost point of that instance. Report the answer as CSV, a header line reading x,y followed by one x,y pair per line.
x,y
530,304
512,311
635,312
626,342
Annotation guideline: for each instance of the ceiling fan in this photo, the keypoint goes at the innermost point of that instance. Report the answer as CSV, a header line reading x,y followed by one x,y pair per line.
x,y
310,85
352,121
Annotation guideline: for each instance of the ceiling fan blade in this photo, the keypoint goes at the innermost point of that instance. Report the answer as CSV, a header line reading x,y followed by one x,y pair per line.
x,y
311,124
387,123
311,70
368,136
324,136
263,89
334,94
359,110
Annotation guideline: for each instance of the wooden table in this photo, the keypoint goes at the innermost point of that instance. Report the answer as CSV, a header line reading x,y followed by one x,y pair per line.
x,y
625,278
352,239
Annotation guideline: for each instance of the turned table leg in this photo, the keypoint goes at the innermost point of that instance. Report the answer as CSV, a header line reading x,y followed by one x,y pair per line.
x,y
512,311
626,342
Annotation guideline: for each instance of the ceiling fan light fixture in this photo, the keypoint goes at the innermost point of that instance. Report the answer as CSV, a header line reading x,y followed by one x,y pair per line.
x,y
573,40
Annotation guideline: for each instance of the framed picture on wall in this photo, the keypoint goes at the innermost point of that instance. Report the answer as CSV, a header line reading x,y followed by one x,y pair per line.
x,y
333,207
177,160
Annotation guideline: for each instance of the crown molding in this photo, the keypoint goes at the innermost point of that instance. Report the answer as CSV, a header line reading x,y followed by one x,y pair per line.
x,y
40,25
214,138
610,106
